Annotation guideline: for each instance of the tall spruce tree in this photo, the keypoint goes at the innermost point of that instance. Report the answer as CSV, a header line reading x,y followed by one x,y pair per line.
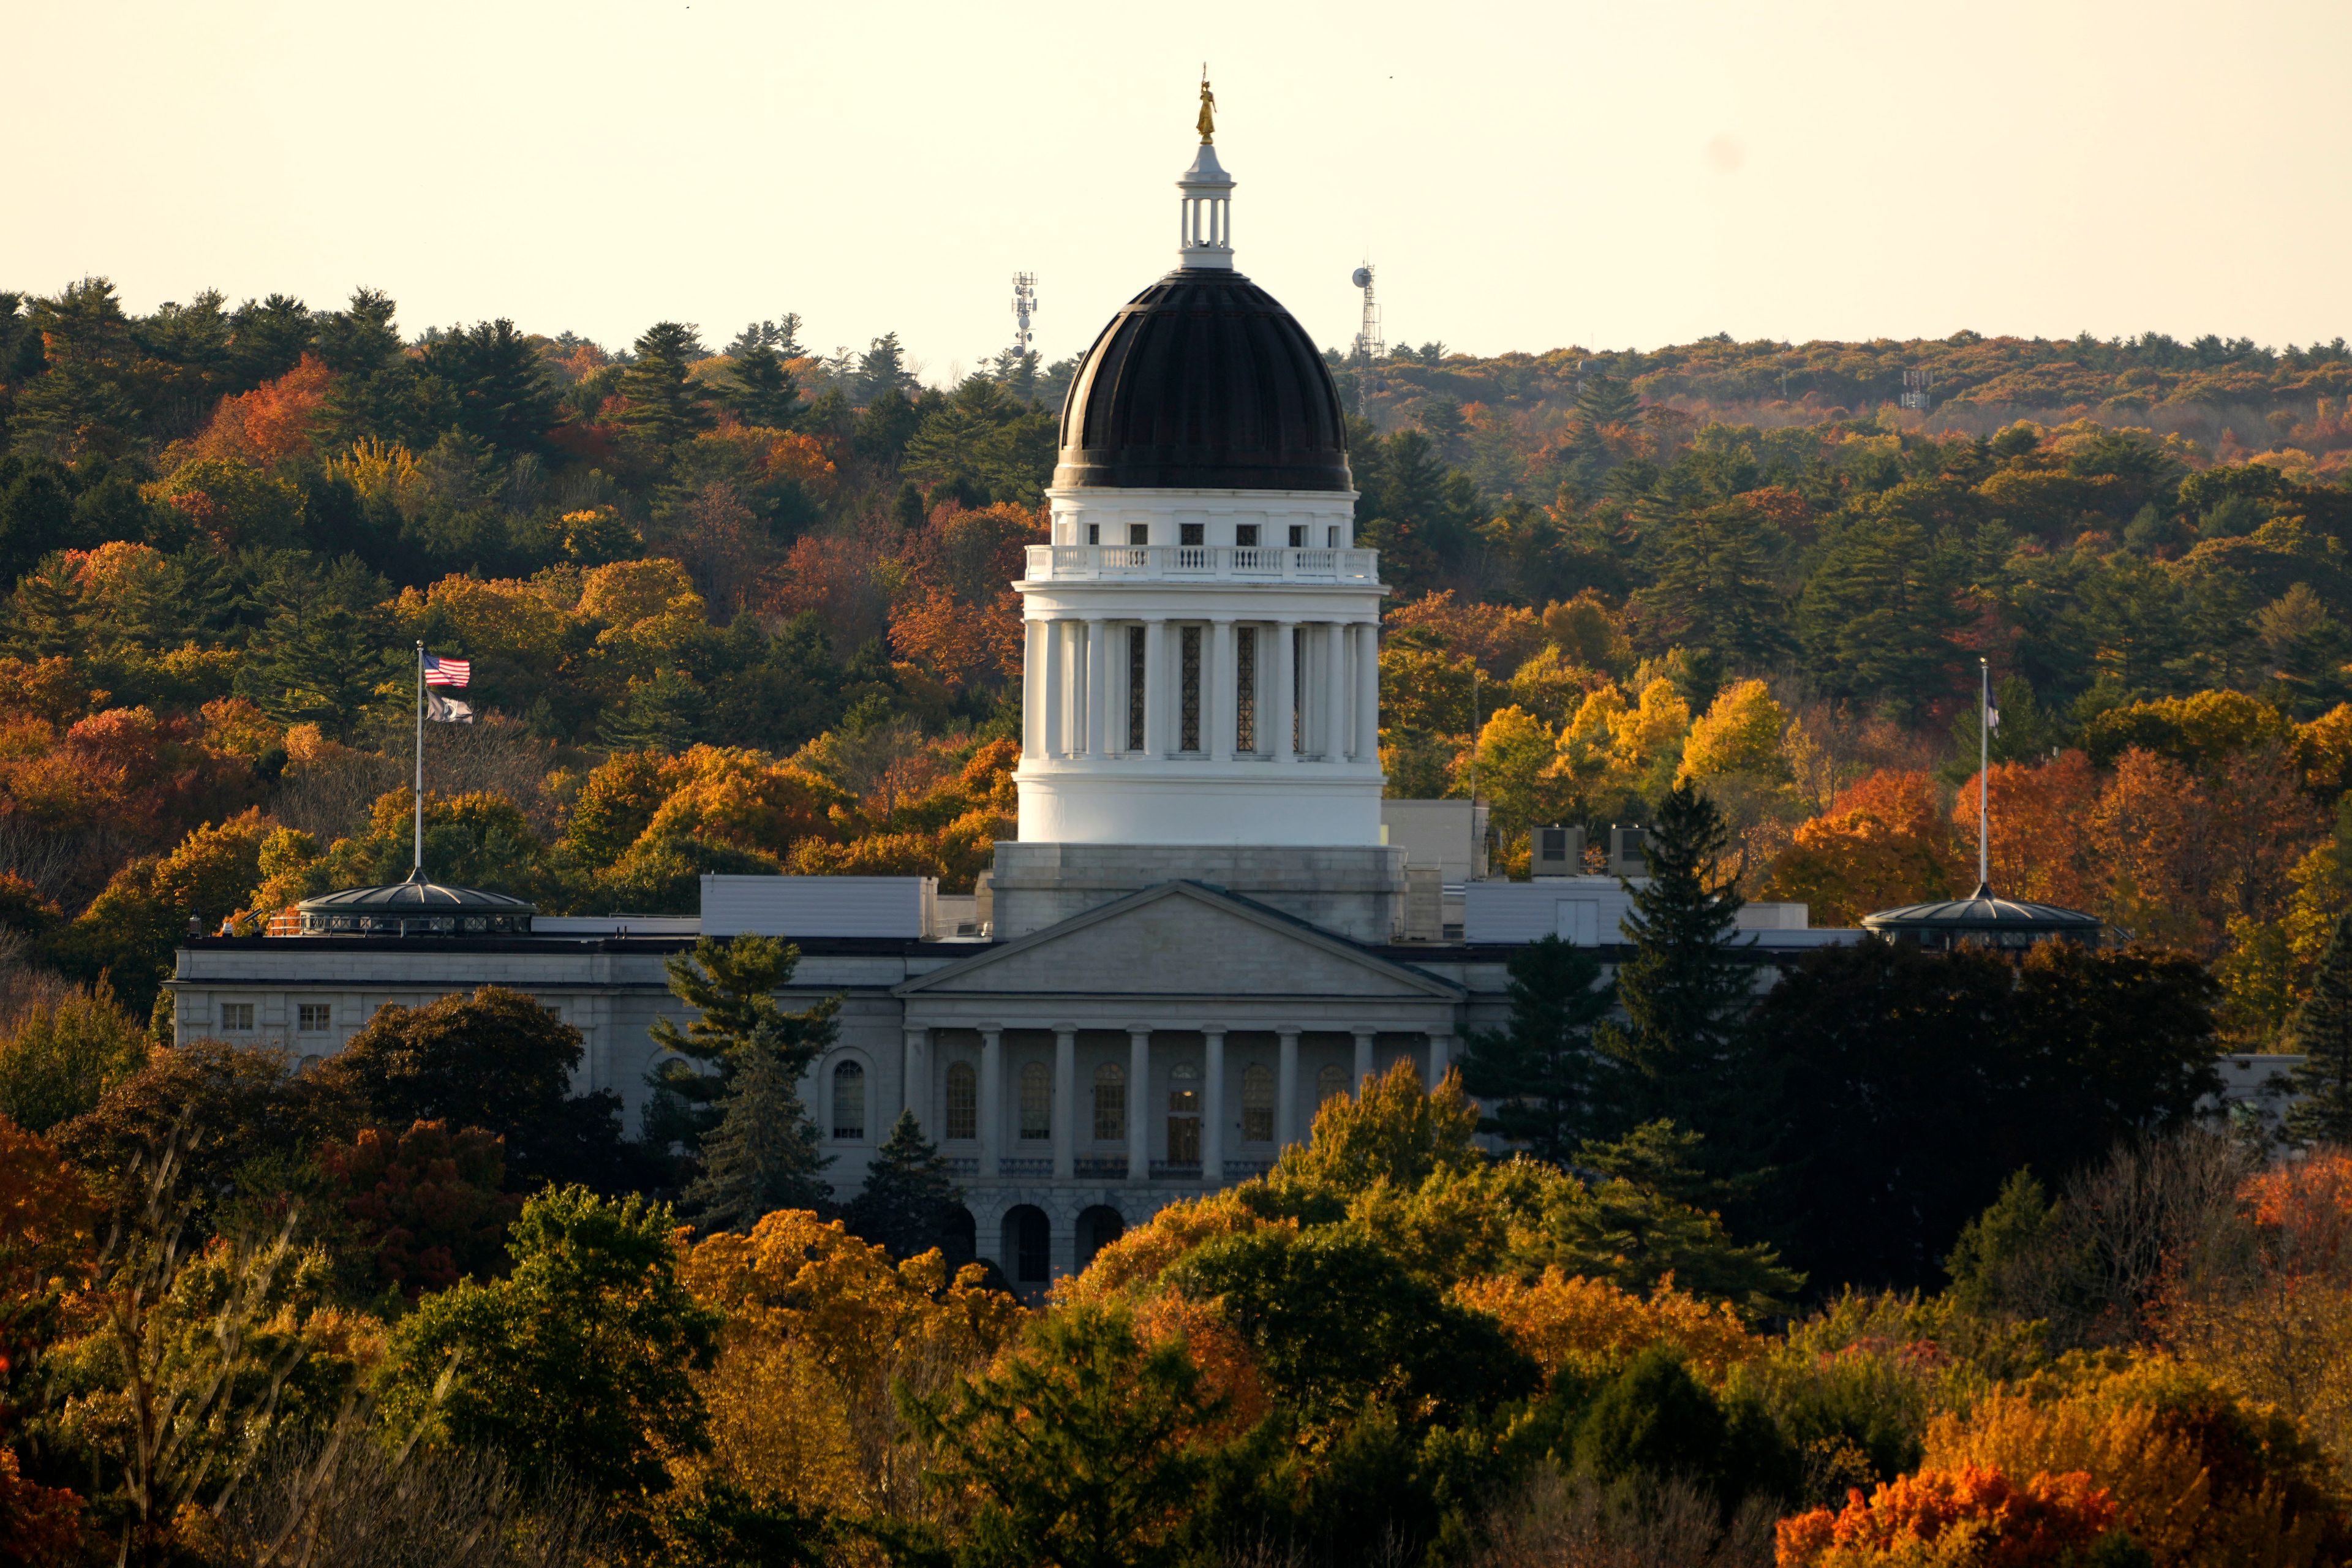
x,y
908,1193
2322,1030
663,403
762,389
762,1154
1535,1076
1685,990
732,982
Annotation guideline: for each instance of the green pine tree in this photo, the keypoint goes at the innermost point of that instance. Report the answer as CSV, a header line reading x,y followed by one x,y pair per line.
x,y
1536,1076
762,1155
908,1193
762,390
1685,989
732,983
663,405
2322,1030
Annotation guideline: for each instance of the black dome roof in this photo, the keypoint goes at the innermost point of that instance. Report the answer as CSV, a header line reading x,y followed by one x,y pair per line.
x,y
415,908
1984,919
1203,382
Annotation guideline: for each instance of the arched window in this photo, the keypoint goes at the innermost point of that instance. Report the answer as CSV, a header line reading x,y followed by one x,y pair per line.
x,y
1098,1228
1110,1103
1185,1115
1036,1101
963,1102
1257,1104
1332,1080
1029,1245
849,1100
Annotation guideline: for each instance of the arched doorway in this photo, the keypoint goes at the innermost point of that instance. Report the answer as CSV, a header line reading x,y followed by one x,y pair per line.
x,y
1098,1228
959,1237
1028,1244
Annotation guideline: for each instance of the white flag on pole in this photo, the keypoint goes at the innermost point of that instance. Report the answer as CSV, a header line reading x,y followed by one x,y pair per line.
x,y
447,709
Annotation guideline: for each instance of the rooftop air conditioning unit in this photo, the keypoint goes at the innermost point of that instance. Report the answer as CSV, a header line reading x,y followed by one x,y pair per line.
x,y
1558,851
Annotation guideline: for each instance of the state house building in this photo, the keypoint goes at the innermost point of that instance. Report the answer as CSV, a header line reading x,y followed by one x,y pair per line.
x,y
1211,921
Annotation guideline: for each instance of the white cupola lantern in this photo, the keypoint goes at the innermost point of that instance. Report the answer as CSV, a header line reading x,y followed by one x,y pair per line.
x,y
1208,207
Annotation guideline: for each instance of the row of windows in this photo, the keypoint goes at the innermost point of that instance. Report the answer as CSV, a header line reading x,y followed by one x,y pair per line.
x,y
309,1017
1246,534
962,1110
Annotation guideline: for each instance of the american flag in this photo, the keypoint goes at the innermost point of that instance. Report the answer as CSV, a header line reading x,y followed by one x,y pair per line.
x,y
448,671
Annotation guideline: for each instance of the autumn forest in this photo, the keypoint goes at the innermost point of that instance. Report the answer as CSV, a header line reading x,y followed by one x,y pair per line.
x,y
1920,1259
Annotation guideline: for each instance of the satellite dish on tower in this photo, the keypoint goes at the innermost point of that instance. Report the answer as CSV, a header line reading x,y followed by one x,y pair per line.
x,y
1362,277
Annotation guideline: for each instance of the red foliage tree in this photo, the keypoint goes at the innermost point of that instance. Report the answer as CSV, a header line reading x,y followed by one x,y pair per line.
x,y
428,1201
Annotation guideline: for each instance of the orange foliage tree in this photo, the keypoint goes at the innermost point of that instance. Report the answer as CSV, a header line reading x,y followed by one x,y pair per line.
x,y
273,422
1973,1515
1883,842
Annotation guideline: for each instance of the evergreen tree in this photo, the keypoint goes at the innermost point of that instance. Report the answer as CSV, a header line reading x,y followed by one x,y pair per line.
x,y
882,368
2322,1030
1876,616
732,983
660,714
762,1154
1714,592
762,391
493,386
1537,1074
1685,989
663,405
908,1193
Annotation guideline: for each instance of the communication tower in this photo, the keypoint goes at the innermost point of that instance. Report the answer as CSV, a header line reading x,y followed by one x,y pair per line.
x,y
1024,305
1914,389
1368,349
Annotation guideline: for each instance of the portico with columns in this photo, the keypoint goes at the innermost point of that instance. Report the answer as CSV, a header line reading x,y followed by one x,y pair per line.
x,y
1170,1043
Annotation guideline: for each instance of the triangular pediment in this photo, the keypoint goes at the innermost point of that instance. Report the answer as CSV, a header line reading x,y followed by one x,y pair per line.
x,y
1183,939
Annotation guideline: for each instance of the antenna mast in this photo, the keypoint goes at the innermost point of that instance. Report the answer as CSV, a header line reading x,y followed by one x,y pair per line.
x,y
1368,347
1024,305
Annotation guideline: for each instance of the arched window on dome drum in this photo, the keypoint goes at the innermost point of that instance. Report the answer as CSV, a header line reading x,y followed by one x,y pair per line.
x,y
1331,1081
1257,1104
1135,691
1244,688
1185,1115
849,1100
963,1102
1036,1101
1110,1103
1188,728
1298,690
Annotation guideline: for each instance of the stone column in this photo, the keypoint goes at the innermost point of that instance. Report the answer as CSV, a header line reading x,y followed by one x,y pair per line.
x,y
1066,1102
991,1097
1368,691
1139,1099
1441,1042
1286,1092
1213,1108
915,1084
1051,693
1217,691
1158,711
1336,706
1097,733
1364,1039
1033,687
1280,715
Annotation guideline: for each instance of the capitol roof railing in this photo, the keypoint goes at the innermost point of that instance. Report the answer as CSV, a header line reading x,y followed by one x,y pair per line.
x,y
1200,562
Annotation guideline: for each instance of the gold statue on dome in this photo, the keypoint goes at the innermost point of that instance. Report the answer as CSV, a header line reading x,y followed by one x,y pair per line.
x,y
1208,109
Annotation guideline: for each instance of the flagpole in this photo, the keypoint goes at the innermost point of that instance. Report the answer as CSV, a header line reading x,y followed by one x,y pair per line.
x,y
1984,766
417,868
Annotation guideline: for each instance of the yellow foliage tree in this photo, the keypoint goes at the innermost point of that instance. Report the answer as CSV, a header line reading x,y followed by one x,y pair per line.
x,y
820,1326
1739,737
1592,1327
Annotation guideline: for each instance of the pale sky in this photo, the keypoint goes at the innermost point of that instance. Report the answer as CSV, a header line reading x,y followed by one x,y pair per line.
x,y
1522,176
